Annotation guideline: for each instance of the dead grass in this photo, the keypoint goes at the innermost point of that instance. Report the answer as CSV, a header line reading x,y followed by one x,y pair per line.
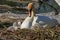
x,y
28,34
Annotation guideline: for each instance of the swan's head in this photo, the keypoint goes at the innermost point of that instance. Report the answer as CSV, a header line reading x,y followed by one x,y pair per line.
x,y
30,6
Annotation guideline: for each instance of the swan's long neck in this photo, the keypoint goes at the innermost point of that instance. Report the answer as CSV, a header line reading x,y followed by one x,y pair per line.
x,y
31,14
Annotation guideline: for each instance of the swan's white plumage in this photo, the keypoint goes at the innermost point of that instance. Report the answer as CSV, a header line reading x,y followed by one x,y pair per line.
x,y
26,23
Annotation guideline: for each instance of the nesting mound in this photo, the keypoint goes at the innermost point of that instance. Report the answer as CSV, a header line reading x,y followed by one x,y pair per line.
x,y
28,34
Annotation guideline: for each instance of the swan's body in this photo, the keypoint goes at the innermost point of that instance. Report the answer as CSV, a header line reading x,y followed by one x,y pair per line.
x,y
26,23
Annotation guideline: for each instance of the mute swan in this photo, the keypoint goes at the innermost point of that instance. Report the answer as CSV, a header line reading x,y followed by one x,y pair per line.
x,y
27,23
33,19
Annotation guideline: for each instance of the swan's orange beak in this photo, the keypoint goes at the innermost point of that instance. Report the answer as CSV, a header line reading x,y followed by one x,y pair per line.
x,y
30,5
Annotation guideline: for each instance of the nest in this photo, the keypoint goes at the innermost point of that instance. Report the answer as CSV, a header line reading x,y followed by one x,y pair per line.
x,y
28,34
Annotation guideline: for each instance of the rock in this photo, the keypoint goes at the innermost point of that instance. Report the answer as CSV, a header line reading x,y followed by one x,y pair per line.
x,y
45,7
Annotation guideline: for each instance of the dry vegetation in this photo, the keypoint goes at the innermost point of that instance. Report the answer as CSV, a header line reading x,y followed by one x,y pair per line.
x,y
28,34
5,18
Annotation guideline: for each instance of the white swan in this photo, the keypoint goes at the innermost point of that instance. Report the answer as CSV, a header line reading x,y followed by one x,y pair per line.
x,y
33,19
27,23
